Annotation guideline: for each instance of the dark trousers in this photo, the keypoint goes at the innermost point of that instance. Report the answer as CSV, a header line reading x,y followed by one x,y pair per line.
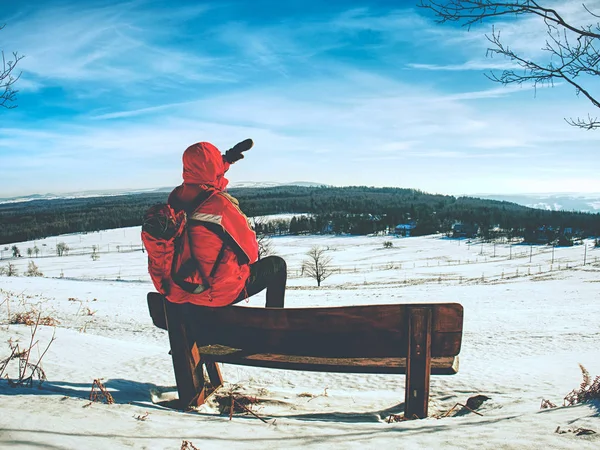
x,y
268,273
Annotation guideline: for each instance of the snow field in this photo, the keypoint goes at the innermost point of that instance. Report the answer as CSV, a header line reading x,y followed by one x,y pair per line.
x,y
524,334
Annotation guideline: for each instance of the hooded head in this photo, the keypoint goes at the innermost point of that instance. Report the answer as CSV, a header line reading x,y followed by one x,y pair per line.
x,y
203,164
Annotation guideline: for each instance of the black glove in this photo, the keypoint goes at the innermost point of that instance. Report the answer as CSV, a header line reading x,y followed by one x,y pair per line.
x,y
235,153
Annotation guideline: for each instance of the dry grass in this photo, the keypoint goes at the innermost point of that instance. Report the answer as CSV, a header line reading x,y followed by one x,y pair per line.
x,y
547,404
187,445
232,402
100,394
27,370
87,311
32,317
588,390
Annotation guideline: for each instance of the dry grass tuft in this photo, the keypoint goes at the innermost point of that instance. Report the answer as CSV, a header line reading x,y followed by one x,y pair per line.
x,y
87,311
100,394
27,370
232,402
32,318
588,390
187,445
547,404
575,431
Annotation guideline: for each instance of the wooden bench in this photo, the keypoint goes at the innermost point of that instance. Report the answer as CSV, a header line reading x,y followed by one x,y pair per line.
x,y
415,339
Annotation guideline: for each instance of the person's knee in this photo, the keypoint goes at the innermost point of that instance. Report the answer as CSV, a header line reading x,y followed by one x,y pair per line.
x,y
280,266
282,263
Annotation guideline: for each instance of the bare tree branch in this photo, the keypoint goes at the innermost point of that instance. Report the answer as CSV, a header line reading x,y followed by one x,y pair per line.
x,y
574,52
8,78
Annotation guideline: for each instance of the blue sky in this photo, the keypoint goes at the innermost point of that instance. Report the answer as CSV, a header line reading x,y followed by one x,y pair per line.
x,y
352,93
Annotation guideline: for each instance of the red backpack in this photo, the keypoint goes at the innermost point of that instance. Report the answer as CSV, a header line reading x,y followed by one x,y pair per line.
x,y
164,234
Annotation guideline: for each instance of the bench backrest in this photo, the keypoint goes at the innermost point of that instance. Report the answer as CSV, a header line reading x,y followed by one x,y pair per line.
x,y
373,331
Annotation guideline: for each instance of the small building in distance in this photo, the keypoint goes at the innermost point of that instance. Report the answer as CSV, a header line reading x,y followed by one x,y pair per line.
x,y
404,229
464,230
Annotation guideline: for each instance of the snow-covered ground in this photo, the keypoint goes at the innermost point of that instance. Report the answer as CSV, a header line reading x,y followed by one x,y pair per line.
x,y
531,315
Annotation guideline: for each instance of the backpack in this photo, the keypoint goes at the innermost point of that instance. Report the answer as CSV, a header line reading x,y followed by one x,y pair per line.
x,y
165,238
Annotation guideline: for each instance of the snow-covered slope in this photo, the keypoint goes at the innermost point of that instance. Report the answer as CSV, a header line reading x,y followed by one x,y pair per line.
x,y
552,202
113,192
527,326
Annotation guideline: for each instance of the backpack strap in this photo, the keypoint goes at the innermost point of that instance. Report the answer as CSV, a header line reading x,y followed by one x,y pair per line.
x,y
186,270
204,195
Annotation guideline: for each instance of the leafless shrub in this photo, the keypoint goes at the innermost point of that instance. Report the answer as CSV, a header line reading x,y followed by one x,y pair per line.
x,y
33,270
10,270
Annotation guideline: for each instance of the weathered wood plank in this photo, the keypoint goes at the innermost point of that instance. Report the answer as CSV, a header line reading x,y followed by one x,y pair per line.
x,y
447,365
189,375
418,363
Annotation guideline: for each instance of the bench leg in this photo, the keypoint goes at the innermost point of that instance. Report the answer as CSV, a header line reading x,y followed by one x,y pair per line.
x,y
418,363
186,362
214,374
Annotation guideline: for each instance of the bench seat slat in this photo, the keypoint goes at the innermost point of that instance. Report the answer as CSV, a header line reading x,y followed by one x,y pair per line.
x,y
439,366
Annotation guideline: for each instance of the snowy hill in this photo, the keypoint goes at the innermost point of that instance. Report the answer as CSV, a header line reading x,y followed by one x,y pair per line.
x,y
114,192
552,202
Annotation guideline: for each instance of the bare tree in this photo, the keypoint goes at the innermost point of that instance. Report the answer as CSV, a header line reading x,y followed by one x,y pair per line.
x,y
62,249
265,245
8,77
318,264
573,51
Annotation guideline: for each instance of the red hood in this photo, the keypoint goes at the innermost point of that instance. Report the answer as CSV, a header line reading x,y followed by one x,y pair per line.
x,y
203,164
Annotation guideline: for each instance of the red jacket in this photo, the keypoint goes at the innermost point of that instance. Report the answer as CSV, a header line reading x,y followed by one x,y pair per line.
x,y
221,239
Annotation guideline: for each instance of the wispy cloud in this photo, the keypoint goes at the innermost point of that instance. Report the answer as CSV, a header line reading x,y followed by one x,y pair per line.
x,y
325,96
116,45
469,65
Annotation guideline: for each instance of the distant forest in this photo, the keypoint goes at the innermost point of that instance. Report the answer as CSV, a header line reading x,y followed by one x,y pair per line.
x,y
353,210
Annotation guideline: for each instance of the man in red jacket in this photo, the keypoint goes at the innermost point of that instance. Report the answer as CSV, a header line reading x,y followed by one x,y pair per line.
x,y
222,255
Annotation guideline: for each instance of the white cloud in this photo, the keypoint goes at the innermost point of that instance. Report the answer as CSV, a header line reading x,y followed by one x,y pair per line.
x,y
484,64
118,46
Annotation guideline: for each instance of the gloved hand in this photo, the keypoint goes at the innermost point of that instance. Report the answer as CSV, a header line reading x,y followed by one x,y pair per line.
x,y
235,153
